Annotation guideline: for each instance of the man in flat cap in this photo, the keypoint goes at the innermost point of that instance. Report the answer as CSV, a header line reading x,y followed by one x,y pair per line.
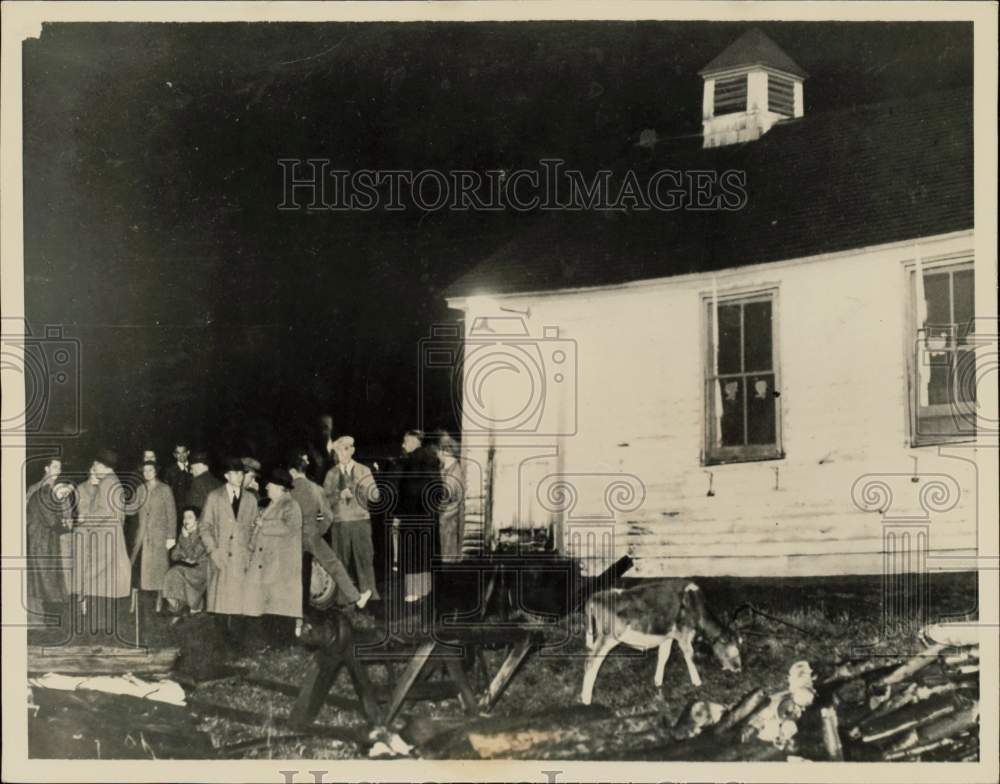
x,y
350,489
317,517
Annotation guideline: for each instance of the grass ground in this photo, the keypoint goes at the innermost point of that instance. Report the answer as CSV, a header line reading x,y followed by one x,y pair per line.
x,y
821,620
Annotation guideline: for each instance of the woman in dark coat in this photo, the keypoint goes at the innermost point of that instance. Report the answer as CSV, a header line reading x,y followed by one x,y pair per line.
x,y
48,512
418,473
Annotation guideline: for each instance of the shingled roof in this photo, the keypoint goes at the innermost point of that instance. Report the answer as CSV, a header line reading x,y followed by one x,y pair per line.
x,y
753,48
823,183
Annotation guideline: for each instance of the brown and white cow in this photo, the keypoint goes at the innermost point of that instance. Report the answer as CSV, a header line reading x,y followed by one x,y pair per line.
x,y
653,615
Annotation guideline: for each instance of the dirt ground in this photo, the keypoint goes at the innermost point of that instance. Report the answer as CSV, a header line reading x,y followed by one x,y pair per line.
x,y
821,620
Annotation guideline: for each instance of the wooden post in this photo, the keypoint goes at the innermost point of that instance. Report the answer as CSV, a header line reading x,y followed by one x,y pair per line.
x,y
488,497
506,672
319,678
457,674
363,688
410,674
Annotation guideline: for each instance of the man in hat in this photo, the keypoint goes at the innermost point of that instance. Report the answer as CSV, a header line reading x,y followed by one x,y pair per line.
x,y
251,473
177,476
203,481
317,517
227,519
101,563
321,455
350,489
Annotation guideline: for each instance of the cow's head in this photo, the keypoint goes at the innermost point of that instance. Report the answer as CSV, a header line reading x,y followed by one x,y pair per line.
x,y
726,648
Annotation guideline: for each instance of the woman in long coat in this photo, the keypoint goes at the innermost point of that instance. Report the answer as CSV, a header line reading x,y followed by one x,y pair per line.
x,y
47,512
451,511
157,527
101,563
274,572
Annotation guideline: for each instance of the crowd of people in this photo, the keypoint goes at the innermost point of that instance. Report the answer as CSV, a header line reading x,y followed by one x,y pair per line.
x,y
244,543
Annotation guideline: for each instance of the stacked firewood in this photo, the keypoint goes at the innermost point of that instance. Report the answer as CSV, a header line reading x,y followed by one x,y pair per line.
x,y
878,708
925,707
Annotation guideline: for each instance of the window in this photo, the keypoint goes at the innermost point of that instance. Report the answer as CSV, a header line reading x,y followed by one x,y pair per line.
x,y
943,361
731,95
741,381
780,95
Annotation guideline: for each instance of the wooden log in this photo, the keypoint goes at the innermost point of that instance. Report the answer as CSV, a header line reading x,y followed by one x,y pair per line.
x,y
831,734
740,712
850,670
939,728
913,665
916,751
100,660
907,718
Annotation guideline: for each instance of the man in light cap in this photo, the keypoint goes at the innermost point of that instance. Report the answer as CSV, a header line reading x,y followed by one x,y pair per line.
x,y
350,488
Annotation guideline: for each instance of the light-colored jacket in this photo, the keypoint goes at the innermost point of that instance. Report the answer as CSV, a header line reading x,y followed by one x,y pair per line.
x,y
364,492
227,540
274,571
101,564
451,514
157,523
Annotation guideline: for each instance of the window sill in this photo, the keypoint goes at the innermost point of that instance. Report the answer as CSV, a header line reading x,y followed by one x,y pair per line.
x,y
942,441
758,457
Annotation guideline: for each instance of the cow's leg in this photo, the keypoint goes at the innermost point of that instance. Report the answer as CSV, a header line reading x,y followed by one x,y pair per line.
x,y
661,660
602,648
687,648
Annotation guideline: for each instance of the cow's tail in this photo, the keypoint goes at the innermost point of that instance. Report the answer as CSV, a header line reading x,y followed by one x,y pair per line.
x,y
590,617
694,600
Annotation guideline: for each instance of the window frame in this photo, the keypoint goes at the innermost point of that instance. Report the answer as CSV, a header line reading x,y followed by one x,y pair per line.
x,y
750,453
937,264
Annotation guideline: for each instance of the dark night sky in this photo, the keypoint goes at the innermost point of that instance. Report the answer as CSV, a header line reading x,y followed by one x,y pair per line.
x,y
151,185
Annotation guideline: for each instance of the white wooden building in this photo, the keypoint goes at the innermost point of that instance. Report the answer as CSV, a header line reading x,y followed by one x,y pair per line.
x,y
823,427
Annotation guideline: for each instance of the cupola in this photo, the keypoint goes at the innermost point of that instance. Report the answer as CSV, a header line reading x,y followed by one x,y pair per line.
x,y
749,87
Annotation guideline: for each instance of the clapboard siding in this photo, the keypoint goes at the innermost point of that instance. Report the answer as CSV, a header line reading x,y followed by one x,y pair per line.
x,y
841,333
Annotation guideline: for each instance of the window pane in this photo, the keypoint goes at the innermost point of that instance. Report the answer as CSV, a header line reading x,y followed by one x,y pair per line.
x,y
761,410
757,336
965,376
937,369
729,339
732,411
936,290
965,299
